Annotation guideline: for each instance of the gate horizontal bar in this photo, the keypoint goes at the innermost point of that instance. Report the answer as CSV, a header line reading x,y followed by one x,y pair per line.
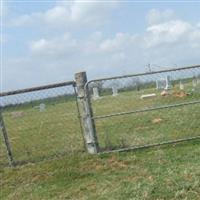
x,y
37,88
146,110
151,145
144,74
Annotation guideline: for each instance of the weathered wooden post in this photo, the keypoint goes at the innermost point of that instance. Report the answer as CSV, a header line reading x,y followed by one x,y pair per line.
x,y
88,124
6,140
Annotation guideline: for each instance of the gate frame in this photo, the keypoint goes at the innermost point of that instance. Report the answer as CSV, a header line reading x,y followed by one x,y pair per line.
x,y
5,134
93,118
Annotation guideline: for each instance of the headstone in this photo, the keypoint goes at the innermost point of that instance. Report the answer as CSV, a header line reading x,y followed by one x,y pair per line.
x,y
95,93
198,81
168,83
42,107
194,82
181,85
147,96
157,85
160,84
114,91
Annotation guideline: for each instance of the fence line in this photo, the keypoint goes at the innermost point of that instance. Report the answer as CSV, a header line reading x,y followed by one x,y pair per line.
x,y
38,122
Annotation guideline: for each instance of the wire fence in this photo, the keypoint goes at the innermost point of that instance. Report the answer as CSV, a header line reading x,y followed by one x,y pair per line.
x,y
109,114
141,110
40,123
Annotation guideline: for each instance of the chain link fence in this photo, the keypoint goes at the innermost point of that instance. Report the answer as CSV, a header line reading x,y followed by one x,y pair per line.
x,y
141,110
116,114
40,123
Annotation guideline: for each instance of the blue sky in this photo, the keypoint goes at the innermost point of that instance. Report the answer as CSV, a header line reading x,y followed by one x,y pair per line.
x,y
46,42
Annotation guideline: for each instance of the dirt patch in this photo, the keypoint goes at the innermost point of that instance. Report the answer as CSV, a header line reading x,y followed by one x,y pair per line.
x,y
157,120
180,94
17,114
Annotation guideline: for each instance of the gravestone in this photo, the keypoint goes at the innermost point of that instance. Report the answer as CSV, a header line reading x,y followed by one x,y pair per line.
x,y
96,93
160,84
157,85
147,96
194,82
42,107
168,83
114,91
181,85
198,81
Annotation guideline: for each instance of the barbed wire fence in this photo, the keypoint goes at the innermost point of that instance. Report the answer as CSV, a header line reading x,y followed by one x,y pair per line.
x,y
39,123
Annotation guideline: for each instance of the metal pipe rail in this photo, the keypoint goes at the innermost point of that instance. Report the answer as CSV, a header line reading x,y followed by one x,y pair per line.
x,y
151,145
146,110
33,89
143,74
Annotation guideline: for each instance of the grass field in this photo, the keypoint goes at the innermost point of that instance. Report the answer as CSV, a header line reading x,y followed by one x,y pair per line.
x,y
170,172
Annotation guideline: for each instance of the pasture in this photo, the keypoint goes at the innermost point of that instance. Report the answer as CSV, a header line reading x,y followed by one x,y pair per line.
x,y
66,172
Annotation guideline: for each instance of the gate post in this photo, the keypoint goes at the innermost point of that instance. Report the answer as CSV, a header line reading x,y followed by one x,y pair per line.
x,y
6,140
91,141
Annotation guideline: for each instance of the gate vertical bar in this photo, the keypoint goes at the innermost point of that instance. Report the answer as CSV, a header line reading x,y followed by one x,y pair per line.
x,y
6,140
90,137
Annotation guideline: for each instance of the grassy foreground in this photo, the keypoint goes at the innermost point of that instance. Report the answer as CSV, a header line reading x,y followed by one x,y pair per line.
x,y
170,172
167,172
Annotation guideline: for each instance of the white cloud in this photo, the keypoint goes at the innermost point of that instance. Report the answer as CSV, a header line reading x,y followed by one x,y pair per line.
x,y
64,45
195,38
21,20
76,13
168,32
119,43
156,16
58,57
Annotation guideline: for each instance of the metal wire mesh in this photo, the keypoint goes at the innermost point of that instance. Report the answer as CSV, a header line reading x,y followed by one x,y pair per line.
x,y
143,109
41,123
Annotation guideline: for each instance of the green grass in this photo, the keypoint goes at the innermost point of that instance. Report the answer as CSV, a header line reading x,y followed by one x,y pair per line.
x,y
171,172
36,135
65,172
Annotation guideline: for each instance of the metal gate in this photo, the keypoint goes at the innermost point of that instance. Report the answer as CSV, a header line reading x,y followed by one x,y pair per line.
x,y
39,123
148,109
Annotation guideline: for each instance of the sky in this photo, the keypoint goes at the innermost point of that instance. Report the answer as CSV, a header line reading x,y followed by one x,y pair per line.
x,y
44,42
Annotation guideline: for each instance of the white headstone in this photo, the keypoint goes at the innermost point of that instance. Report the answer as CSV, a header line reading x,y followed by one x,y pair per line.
x,y
114,91
157,85
168,83
95,93
160,84
181,86
194,82
42,107
146,96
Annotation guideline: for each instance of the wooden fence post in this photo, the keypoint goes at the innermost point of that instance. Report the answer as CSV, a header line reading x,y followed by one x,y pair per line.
x,y
91,141
6,140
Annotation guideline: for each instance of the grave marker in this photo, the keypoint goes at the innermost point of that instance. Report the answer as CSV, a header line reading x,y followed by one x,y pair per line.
x,y
181,85
96,93
42,107
114,91
194,82
168,83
